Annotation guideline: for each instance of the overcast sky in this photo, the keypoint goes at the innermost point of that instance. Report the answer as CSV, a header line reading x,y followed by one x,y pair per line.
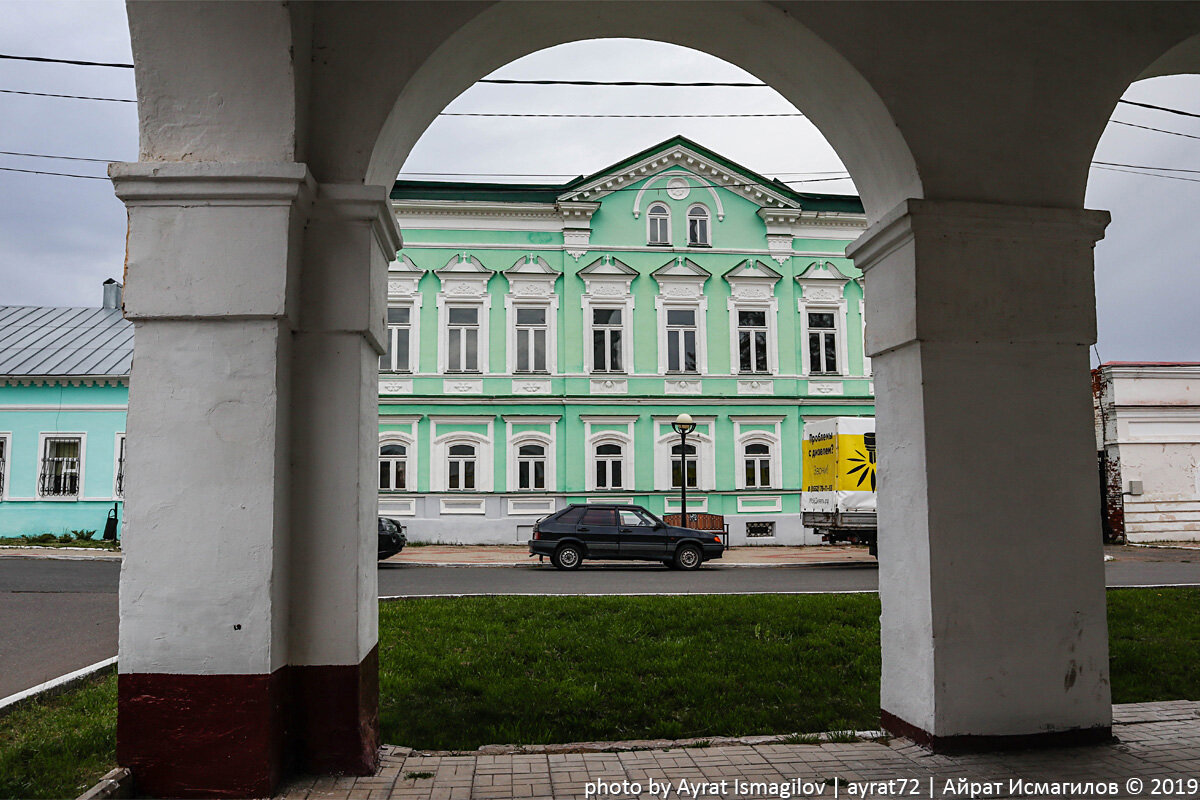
x,y
61,237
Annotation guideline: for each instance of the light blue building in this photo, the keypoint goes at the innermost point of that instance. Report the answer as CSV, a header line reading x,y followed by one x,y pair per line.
x,y
64,388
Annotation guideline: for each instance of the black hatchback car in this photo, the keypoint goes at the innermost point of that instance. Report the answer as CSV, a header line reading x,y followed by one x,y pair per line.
x,y
620,532
391,538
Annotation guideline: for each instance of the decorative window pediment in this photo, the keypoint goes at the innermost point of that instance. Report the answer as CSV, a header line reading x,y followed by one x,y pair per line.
x,y
681,278
608,276
532,277
403,278
823,282
464,276
752,280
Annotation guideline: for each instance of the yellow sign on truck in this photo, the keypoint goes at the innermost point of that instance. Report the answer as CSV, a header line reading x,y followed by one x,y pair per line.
x,y
838,497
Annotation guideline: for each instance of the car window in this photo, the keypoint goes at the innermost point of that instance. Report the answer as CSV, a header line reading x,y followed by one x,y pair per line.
x,y
649,518
631,519
599,516
568,517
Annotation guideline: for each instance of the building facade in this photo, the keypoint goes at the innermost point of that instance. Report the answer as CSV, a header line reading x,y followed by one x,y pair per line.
x,y
542,339
64,384
1148,436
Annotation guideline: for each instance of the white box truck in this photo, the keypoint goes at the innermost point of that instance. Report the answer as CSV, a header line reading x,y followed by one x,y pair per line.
x,y
838,497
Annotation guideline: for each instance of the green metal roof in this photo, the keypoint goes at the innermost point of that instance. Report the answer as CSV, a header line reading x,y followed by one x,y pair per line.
x,y
549,193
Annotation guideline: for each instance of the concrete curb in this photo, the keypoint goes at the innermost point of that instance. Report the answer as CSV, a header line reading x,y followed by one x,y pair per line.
x,y
624,564
117,783
55,686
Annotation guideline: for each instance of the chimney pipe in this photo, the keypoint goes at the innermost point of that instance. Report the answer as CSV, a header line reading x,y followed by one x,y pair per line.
x,y
112,294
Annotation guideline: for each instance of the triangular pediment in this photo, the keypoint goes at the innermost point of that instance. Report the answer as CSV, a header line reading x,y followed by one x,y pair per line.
x,y
752,269
822,270
465,264
532,265
608,266
694,163
681,268
403,265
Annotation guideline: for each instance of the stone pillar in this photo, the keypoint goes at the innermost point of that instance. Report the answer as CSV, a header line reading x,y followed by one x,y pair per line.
x,y
350,239
991,570
210,265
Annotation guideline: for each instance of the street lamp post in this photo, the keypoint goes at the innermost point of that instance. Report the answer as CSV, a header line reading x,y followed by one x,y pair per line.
x,y
683,425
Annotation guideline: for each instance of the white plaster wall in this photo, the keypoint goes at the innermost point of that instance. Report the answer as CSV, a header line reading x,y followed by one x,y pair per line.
x,y
204,583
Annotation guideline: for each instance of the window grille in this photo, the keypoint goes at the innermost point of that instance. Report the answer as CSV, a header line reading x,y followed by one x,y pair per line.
x,y
755,530
60,467
119,488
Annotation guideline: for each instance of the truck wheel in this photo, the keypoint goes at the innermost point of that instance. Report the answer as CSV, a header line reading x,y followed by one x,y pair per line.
x,y
568,556
688,557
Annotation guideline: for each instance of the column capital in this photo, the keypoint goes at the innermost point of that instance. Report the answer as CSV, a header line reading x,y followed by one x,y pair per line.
x,y
361,203
915,218
175,183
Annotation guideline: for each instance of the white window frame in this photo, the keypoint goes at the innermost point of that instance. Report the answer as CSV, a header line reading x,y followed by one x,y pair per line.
x,y
610,438
770,312
700,307
772,439
706,471
822,296
478,327
6,463
697,331
410,461
708,226
515,444
551,326
626,309
42,438
439,472
120,459
412,326
650,217
760,460
862,318
624,438
838,334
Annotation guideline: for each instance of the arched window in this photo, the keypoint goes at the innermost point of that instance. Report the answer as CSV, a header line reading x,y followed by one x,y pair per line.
x,y
758,466
684,460
610,460
658,221
698,226
460,466
531,467
393,467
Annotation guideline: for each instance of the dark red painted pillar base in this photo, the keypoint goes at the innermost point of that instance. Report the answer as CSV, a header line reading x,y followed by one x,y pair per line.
x,y
202,735
191,736
975,744
337,717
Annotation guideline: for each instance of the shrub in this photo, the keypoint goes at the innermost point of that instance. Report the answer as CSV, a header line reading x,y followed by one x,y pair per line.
x,y
41,538
66,538
84,536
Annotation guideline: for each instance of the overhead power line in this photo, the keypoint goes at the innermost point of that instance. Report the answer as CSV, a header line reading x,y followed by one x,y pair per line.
x,y
1157,130
66,61
1151,174
1160,108
69,96
673,84
615,116
60,174
64,158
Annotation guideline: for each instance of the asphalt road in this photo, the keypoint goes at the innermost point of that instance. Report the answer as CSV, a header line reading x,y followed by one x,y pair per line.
x,y
59,616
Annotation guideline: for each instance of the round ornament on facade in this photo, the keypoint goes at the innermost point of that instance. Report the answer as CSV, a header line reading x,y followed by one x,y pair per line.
x,y
678,189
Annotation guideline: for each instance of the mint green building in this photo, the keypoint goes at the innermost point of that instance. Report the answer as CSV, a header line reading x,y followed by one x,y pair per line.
x,y
542,338
64,386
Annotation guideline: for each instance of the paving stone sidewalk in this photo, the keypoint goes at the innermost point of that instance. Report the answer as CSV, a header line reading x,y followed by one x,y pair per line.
x,y
1154,741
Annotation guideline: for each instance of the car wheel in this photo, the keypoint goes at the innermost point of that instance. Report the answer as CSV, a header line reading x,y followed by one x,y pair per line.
x,y
568,556
688,557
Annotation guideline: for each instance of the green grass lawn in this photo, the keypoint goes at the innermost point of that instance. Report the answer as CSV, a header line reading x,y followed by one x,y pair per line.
x,y
60,747
462,672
